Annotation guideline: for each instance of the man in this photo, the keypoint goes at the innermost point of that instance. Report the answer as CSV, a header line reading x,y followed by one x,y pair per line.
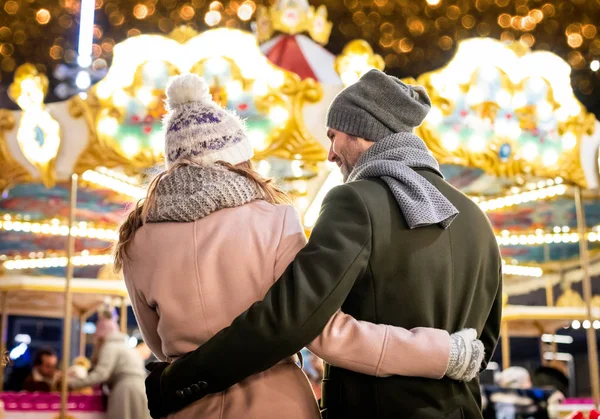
x,y
45,373
395,245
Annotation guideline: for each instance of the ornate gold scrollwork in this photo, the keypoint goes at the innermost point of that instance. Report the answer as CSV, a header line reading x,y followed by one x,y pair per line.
x,y
11,172
293,140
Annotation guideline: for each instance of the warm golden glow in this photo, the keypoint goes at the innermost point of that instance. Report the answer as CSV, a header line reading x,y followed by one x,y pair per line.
x,y
42,16
140,11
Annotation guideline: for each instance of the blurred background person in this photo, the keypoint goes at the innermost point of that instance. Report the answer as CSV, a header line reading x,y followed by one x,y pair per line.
x,y
45,374
121,367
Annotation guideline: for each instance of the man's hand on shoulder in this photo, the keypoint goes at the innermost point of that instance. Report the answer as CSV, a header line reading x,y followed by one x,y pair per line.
x,y
155,404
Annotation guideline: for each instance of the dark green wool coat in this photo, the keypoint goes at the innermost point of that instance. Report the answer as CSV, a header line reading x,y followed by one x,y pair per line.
x,y
363,257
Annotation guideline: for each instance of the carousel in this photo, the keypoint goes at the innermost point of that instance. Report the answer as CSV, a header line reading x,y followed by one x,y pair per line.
x,y
505,126
69,170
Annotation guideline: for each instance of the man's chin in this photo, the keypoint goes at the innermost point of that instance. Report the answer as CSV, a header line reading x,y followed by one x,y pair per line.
x,y
345,173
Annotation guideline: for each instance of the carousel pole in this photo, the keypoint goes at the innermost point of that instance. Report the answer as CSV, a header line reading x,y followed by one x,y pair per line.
x,y
68,301
505,345
82,320
584,259
3,331
123,318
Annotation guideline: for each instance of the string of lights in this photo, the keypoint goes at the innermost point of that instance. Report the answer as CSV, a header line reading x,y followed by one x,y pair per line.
x,y
519,270
82,259
116,182
535,192
55,228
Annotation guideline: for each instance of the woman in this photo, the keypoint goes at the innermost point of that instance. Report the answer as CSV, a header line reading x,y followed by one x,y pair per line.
x,y
210,240
120,366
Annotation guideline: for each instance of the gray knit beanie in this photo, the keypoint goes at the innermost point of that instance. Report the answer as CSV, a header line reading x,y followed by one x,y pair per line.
x,y
378,105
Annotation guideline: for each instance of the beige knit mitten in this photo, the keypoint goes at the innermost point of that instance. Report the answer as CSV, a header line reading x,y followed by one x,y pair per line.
x,y
466,355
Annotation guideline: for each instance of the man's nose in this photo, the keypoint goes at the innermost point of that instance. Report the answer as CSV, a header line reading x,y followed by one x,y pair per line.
x,y
331,155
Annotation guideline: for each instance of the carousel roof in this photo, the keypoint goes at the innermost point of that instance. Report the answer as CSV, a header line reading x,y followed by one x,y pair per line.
x,y
301,55
507,132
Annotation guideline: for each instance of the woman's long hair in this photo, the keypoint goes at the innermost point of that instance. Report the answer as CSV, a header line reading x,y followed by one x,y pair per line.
x,y
138,215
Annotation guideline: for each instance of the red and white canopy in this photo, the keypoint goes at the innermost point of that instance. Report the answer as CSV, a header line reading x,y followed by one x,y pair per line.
x,y
301,55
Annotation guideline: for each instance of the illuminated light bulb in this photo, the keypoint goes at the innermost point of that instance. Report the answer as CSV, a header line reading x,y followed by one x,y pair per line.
x,y
586,324
154,68
562,114
103,90
84,60
596,324
519,100
573,107
452,91
278,114
263,168
576,324
537,84
83,80
477,143
257,139
488,73
435,116
216,65
349,77
212,18
503,98
530,151
450,141
513,130
550,158
302,203
260,87
108,126
120,98
595,65
569,141
130,146
234,89
144,94
297,168
277,79
544,110
157,142
475,96
245,11
433,2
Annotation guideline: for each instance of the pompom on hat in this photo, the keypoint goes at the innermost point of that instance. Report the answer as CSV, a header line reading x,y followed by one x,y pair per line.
x,y
198,129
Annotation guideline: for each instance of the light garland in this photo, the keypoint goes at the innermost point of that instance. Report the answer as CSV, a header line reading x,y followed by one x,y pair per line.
x,y
518,270
540,237
55,228
111,182
522,197
83,259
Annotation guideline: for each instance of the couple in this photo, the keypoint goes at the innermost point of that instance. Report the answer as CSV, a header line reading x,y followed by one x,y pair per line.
x,y
226,290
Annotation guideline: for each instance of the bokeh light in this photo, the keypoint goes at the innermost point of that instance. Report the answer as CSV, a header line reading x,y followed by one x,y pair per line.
x,y
42,16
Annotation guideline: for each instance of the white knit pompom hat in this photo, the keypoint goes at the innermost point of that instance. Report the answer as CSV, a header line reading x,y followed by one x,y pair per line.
x,y
197,128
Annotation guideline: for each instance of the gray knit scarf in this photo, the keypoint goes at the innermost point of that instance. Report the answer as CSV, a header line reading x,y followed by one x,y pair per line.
x,y
393,159
190,193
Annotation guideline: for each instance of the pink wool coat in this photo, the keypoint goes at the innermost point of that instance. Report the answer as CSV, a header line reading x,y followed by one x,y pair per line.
x,y
187,281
